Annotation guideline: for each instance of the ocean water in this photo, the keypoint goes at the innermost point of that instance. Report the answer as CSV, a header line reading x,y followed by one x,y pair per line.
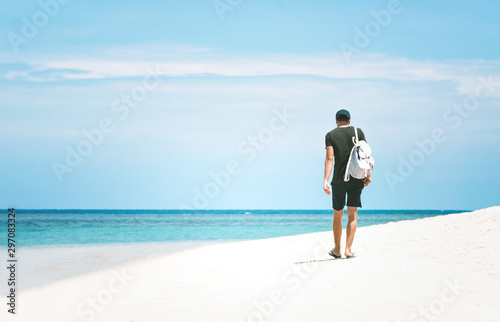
x,y
93,227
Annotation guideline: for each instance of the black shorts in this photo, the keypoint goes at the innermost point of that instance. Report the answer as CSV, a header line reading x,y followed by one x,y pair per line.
x,y
352,188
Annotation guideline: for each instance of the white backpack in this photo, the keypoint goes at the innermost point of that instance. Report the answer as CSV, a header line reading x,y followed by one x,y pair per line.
x,y
360,163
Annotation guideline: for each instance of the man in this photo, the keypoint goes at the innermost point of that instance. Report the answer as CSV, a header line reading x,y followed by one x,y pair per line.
x,y
339,143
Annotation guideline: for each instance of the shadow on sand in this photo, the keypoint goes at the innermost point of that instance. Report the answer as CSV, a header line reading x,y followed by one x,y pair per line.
x,y
316,260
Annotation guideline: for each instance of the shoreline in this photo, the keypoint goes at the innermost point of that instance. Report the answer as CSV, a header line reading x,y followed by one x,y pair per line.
x,y
445,266
45,264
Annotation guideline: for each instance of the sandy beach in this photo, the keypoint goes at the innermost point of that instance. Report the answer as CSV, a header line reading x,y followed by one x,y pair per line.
x,y
445,268
42,265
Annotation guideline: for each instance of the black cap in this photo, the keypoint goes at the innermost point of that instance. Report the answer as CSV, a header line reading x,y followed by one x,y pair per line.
x,y
343,112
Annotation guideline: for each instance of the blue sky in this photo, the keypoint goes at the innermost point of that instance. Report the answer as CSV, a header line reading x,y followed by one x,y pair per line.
x,y
195,107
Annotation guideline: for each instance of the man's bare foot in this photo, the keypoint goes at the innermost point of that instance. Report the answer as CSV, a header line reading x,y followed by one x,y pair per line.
x,y
349,254
335,253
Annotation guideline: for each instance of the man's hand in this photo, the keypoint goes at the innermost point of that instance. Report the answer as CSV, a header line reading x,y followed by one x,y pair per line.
x,y
328,169
327,187
368,180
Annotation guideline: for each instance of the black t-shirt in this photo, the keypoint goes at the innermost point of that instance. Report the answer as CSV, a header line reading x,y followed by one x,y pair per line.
x,y
341,141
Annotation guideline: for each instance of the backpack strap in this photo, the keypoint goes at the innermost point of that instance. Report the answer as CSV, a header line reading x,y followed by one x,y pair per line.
x,y
346,175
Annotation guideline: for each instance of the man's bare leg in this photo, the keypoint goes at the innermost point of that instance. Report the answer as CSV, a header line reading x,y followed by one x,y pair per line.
x,y
337,230
352,223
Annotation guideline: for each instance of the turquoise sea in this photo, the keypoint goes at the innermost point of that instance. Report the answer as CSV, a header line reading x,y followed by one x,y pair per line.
x,y
87,227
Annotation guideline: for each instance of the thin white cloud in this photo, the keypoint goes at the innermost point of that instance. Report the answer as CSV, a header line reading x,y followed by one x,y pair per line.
x,y
184,61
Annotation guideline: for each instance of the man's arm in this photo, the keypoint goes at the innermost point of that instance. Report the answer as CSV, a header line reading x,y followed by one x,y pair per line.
x,y
362,135
368,180
328,169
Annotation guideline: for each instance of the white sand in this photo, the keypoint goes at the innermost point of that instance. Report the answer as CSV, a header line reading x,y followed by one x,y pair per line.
x,y
41,265
445,268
